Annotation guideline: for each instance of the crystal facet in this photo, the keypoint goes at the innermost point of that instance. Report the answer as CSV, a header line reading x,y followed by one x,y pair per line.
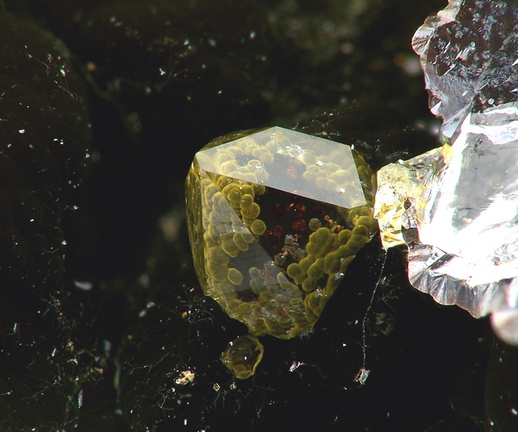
x,y
275,217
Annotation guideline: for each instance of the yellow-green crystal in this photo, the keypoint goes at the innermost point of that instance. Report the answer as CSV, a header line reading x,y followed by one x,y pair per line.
x,y
275,217
242,356
401,197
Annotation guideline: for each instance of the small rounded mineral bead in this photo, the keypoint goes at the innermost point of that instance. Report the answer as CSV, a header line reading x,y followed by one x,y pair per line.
x,y
233,193
316,269
247,189
309,157
304,264
246,200
330,167
259,189
293,270
361,230
234,276
312,248
314,224
258,227
241,244
309,284
230,247
344,236
248,237
332,262
236,151
217,271
310,176
251,211
223,156
320,235
217,255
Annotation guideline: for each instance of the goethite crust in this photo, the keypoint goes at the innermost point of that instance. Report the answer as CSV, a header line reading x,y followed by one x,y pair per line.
x,y
275,217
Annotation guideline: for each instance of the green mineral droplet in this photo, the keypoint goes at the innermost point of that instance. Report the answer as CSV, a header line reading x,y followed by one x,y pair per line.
x,y
242,356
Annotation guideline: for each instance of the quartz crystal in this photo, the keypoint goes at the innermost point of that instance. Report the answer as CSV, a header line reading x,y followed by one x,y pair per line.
x,y
457,206
275,217
469,55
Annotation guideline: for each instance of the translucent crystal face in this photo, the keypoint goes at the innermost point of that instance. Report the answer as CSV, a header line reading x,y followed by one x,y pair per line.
x,y
458,208
275,217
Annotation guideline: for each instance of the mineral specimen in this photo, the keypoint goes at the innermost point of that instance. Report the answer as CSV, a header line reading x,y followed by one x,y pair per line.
x,y
243,355
468,53
275,217
457,206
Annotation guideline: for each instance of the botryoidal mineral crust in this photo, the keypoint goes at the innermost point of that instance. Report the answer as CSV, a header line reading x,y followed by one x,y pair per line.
x,y
275,217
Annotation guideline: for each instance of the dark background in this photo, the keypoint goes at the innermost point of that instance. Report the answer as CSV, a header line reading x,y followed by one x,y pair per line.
x,y
102,107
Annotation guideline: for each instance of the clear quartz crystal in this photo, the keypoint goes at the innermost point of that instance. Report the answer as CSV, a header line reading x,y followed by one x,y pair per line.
x,y
456,206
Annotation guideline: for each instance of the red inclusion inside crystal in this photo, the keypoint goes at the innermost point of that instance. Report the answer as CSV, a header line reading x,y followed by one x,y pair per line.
x,y
297,209
275,211
299,226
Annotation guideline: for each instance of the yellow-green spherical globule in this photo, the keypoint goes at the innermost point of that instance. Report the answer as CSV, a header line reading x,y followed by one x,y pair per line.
x,y
246,201
217,271
240,242
332,262
217,255
316,269
251,211
314,224
258,227
234,276
228,245
242,356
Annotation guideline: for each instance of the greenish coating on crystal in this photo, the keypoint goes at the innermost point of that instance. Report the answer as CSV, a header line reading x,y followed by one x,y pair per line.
x,y
242,356
274,219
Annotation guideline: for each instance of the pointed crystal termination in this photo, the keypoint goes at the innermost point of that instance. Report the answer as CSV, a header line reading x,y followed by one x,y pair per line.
x,y
275,217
